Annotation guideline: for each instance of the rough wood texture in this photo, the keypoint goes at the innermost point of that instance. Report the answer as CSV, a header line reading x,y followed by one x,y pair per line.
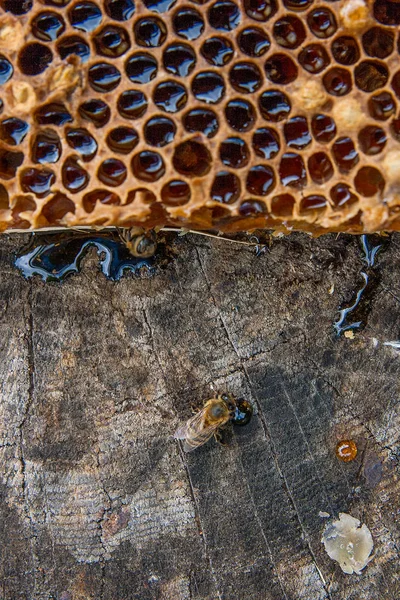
x,y
98,502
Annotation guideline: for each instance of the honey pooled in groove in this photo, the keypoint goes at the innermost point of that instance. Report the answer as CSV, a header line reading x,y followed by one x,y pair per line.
x,y
230,116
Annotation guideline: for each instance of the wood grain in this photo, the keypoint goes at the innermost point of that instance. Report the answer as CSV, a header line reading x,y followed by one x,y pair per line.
x,y
99,502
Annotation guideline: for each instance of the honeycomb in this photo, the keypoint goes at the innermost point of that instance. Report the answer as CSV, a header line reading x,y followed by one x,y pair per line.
x,y
201,114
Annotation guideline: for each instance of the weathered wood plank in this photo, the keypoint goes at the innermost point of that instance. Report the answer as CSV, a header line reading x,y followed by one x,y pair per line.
x,y
100,502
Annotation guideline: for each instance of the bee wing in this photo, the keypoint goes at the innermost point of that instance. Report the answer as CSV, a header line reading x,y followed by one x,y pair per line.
x,y
194,433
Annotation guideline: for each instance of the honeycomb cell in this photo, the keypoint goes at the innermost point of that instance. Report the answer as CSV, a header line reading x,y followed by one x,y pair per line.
x,y
73,44
95,111
21,204
122,140
141,67
48,26
337,81
175,193
369,182
85,16
217,51
240,115
260,10
201,120
150,32
74,177
57,208
6,69
224,15
345,50
46,147
245,77
372,140
274,105
280,69
345,154
296,132
112,41
104,77
323,128
396,84
179,59
148,166
119,10
321,22
253,41
159,6
17,7
292,171
9,163
387,12
13,131
132,104
289,32
225,188
33,59
266,143
82,142
297,5
208,87
395,129
192,158
53,113
99,196
382,106
188,23
312,203
320,167
112,172
378,42
341,195
234,152
314,58
159,131
260,180
37,181
282,205
170,96
252,208
370,75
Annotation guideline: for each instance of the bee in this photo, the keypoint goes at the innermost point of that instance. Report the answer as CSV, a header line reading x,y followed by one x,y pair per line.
x,y
216,413
140,243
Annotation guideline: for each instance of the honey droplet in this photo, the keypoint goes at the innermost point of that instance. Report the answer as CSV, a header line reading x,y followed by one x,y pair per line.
x,y
346,450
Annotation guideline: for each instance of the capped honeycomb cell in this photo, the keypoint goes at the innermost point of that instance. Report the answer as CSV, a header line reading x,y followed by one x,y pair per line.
x,y
203,114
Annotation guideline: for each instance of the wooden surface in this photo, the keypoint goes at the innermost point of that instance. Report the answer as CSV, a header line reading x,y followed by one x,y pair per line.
x,y
98,502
